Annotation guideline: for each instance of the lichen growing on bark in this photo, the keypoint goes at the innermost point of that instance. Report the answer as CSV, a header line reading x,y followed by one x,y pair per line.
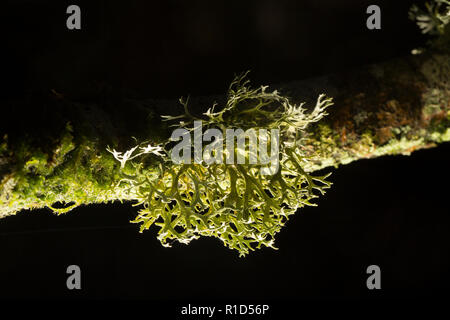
x,y
235,202
433,18
55,156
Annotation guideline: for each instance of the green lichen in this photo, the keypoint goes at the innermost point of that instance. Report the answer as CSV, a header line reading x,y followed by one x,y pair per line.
x,y
235,203
434,18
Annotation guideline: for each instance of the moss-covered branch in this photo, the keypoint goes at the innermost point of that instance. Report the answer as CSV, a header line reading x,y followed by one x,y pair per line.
x,y
55,154
392,108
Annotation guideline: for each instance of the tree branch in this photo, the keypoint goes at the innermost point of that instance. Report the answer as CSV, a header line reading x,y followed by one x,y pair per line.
x,y
53,151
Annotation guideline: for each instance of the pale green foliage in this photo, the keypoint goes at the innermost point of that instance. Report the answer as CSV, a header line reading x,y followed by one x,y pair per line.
x,y
233,202
434,18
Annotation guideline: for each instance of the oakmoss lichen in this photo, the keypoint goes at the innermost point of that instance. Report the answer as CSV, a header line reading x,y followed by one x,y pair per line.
x,y
237,203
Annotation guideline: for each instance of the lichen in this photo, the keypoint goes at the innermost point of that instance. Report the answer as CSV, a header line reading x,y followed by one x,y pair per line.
x,y
236,203
434,18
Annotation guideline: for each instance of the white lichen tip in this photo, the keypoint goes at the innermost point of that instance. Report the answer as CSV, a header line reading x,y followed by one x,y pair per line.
x,y
128,155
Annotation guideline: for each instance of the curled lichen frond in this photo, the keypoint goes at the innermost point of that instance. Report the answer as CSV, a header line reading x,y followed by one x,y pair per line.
x,y
434,18
233,202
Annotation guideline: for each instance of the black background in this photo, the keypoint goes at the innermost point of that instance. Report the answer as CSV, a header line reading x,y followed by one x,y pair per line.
x,y
391,211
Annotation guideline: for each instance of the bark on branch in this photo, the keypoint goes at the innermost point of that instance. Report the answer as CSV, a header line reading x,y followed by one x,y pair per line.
x,y
53,150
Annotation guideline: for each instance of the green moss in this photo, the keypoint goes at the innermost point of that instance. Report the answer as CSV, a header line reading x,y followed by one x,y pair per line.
x,y
399,146
65,146
441,136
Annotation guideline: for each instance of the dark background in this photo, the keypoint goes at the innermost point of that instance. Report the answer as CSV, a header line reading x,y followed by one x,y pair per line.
x,y
391,211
